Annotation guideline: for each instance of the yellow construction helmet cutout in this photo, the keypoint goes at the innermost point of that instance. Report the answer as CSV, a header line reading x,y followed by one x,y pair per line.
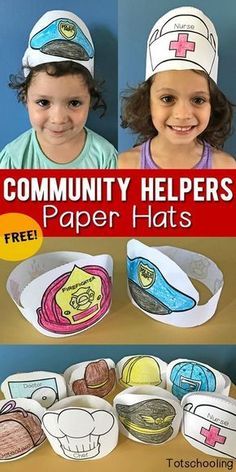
x,y
140,370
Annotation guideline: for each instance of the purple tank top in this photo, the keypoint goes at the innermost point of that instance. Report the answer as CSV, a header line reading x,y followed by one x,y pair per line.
x,y
148,163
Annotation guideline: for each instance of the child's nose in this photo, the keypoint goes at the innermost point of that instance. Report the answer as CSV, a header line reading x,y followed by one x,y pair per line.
x,y
58,114
183,110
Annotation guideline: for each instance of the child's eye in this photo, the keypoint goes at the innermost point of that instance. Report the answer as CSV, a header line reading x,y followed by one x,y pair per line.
x,y
75,103
43,103
167,99
198,100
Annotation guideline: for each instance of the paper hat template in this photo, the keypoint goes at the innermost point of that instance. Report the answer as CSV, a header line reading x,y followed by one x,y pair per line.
x,y
184,38
44,387
20,428
59,36
133,371
92,378
188,376
62,293
148,414
209,423
81,428
159,283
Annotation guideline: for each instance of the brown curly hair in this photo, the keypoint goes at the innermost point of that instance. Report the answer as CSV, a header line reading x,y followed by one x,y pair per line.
x,y
136,114
21,84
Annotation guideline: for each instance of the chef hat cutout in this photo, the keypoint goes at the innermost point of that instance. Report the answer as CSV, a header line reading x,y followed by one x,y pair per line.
x,y
62,293
59,36
96,377
20,428
159,283
147,414
184,38
46,388
81,428
138,370
209,423
187,376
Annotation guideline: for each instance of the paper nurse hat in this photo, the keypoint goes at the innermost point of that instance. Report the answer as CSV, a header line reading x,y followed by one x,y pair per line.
x,y
184,38
59,36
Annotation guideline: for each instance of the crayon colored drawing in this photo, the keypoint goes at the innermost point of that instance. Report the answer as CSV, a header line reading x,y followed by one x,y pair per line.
x,y
187,377
149,421
20,431
76,300
152,292
98,380
140,370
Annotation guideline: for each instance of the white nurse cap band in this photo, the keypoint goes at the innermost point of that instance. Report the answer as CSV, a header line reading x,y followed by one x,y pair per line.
x,y
159,283
184,38
209,423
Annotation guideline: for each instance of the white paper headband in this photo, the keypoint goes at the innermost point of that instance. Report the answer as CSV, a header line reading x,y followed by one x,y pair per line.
x,y
148,414
184,38
59,36
209,423
82,427
159,284
62,293
44,387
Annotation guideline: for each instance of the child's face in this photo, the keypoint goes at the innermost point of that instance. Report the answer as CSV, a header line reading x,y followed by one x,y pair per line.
x,y
58,107
180,105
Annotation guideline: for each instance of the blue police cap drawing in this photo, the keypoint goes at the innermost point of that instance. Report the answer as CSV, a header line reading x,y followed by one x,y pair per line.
x,y
188,377
58,36
152,292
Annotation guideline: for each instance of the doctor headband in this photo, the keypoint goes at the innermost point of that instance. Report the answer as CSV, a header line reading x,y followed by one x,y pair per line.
x,y
159,283
59,36
184,38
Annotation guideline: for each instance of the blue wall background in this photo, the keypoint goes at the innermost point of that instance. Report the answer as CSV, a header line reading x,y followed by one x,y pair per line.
x,y
135,20
16,21
27,358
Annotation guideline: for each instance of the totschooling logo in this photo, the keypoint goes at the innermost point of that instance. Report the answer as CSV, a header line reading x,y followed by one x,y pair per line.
x,y
200,464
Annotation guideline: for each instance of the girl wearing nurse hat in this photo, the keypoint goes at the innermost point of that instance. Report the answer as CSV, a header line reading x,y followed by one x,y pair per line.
x,y
180,115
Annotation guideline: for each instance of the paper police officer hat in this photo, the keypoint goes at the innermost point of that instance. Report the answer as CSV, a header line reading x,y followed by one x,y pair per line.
x,y
159,283
59,36
184,38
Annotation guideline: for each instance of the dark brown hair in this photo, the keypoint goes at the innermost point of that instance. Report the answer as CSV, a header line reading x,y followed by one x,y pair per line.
x,y
136,114
58,69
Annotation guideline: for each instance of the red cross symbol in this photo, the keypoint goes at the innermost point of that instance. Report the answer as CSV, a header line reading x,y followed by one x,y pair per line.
x,y
212,436
182,45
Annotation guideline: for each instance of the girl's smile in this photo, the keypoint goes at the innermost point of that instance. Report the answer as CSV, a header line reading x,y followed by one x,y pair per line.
x,y
180,105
